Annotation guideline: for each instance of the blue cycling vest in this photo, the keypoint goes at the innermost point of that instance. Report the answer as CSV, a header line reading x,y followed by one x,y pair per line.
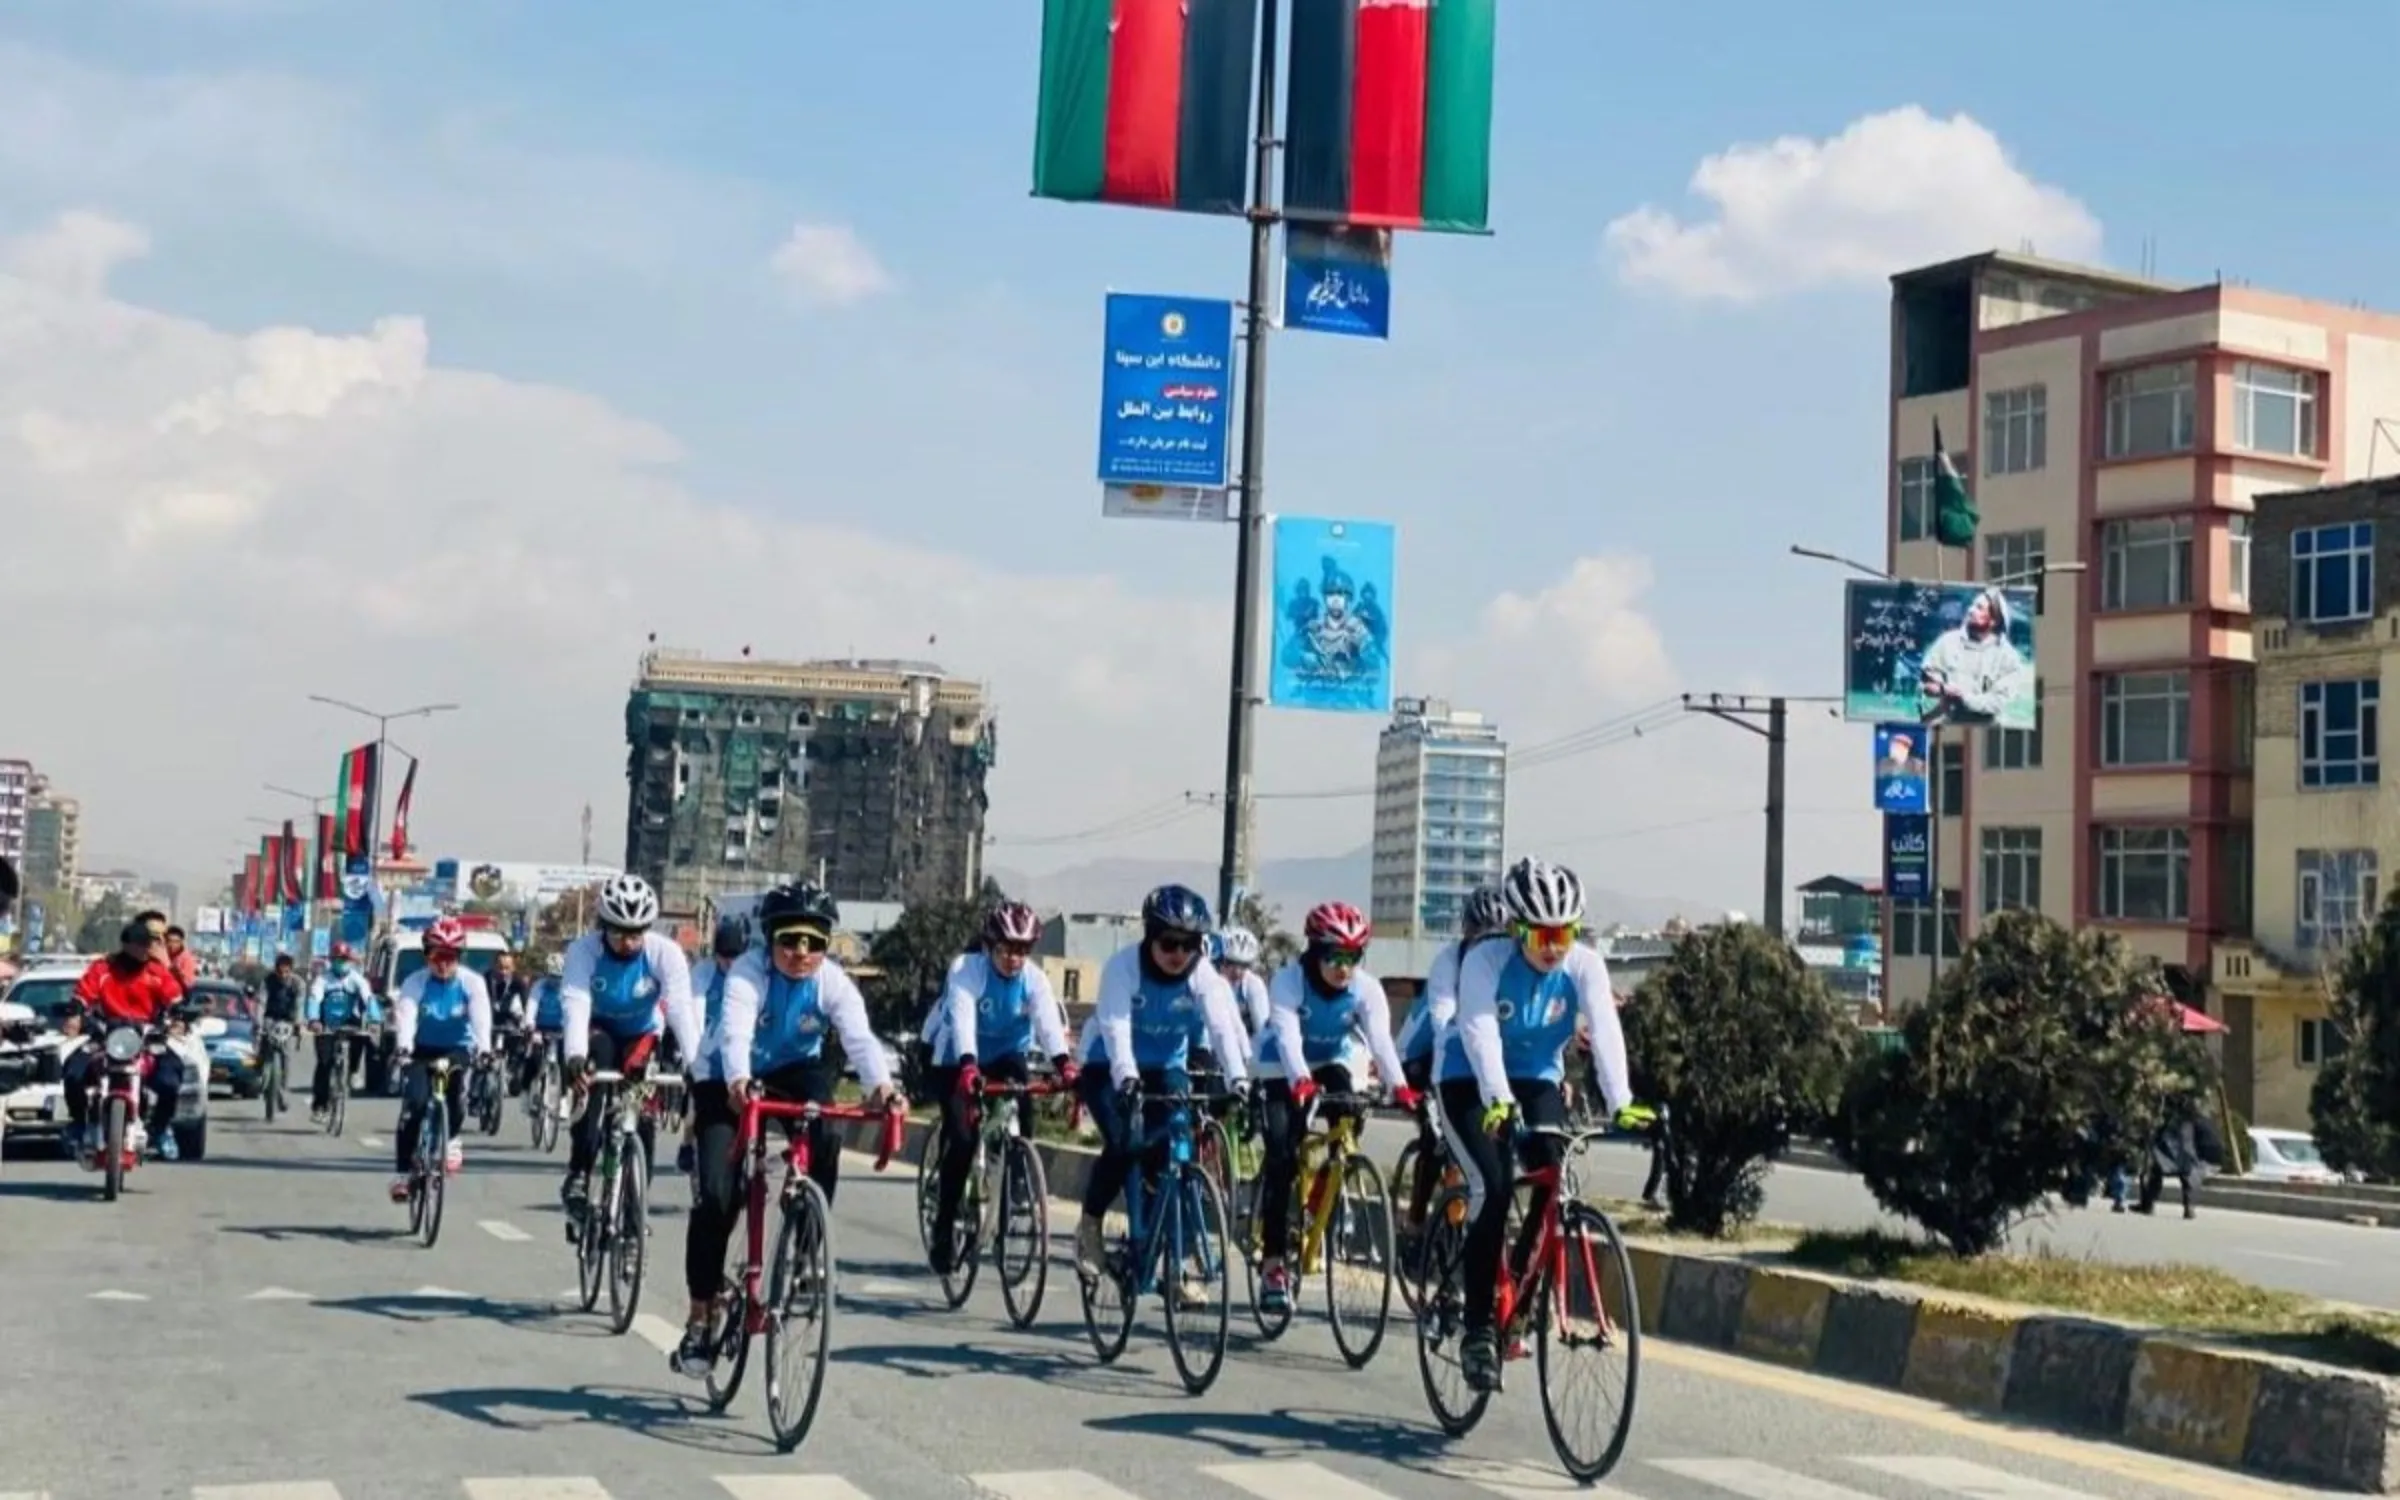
x,y
1003,1015
1537,1019
442,1020
792,1024
345,999
549,1012
1330,1030
625,995
1168,1021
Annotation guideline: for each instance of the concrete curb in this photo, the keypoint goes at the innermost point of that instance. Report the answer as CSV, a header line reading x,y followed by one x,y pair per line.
x,y
2284,1419
2371,1205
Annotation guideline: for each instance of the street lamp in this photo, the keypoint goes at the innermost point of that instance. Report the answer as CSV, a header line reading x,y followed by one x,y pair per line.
x,y
316,804
383,724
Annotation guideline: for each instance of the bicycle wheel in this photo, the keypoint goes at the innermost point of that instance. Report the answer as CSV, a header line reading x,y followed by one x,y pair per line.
x,y
966,1235
929,1161
1441,1324
1593,1311
1193,1258
1023,1241
270,1083
591,1245
800,1317
731,1356
628,1243
1407,1238
1358,1262
545,1120
337,1107
1108,1298
1250,1235
432,1144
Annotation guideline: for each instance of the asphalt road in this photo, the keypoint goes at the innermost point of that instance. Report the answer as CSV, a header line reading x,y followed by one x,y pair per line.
x,y
255,1327
2318,1258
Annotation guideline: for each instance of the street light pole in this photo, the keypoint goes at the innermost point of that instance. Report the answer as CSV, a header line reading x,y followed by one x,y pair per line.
x,y
383,724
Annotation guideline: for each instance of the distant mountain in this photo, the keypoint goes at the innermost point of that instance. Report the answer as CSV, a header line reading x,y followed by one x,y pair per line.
x,y
1292,884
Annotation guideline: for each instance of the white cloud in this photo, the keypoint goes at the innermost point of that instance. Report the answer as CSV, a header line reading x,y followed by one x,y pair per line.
x,y
828,265
76,253
1892,190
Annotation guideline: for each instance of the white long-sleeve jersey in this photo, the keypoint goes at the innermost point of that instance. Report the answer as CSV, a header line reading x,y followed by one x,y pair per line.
x,y
977,1017
408,1004
1158,1032
796,1014
1514,1022
623,1001
1336,1025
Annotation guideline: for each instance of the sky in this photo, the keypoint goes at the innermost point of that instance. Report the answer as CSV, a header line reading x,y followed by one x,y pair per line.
x,y
447,350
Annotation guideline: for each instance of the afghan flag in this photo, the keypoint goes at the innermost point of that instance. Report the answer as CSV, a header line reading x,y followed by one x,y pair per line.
x,y
1390,121
1147,103
354,798
328,882
408,792
1955,518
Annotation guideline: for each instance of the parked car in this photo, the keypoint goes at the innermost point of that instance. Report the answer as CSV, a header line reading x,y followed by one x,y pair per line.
x,y
233,1057
33,1101
47,993
2287,1156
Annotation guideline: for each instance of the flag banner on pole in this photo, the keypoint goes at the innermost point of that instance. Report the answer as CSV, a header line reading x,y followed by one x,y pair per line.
x,y
288,867
1954,516
245,893
1146,103
353,797
327,883
1166,403
1390,120
408,791
1333,616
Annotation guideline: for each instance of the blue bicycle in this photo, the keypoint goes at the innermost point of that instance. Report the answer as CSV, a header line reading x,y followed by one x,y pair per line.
x,y
1175,1244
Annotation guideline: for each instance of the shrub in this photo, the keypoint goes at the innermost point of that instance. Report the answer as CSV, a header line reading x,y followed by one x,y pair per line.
x,y
2042,1058
1743,1044
2354,1105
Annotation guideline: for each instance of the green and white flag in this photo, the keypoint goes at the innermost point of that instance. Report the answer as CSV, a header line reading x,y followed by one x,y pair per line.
x,y
1954,517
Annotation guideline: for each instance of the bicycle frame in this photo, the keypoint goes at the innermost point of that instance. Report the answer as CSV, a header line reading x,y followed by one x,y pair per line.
x,y
751,1145
437,1098
1320,1158
1541,1246
997,1127
1178,1134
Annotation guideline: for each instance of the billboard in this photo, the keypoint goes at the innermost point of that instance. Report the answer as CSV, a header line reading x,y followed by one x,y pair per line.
x,y
1907,856
1337,280
1166,400
512,882
1900,769
1333,616
1939,653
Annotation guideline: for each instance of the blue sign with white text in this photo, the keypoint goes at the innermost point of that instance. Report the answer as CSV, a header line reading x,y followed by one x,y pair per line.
x,y
1337,280
1907,856
1166,401
1333,616
1900,769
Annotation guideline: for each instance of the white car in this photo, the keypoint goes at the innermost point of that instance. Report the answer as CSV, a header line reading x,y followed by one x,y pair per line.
x,y
2287,1156
39,1108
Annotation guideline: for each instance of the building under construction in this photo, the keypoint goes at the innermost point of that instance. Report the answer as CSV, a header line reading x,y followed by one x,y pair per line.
x,y
867,776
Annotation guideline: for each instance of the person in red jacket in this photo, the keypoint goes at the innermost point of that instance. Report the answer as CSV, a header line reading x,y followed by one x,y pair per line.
x,y
130,987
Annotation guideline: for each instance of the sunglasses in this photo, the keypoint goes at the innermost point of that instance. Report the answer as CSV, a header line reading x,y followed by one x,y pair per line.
x,y
1347,958
1013,950
624,934
442,956
801,940
1549,937
1175,942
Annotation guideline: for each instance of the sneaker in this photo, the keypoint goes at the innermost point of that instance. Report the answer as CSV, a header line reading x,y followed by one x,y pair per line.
x,y
1091,1248
165,1147
1190,1293
574,1195
454,1158
399,1189
696,1355
1275,1289
1479,1359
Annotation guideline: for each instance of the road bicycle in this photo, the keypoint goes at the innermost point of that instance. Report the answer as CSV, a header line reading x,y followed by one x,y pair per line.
x,y
486,1094
1176,1243
544,1099
1004,1202
428,1181
1410,1231
275,1069
612,1244
1341,1224
791,1305
337,1088
1566,1266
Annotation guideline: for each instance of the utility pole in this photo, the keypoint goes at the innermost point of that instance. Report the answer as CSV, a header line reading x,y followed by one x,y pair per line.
x,y
1233,869
1745,712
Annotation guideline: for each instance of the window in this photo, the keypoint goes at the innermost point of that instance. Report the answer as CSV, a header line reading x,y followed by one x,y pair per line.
x,y
2015,559
2336,898
2233,872
2146,564
2341,733
2333,573
1912,928
2015,749
2319,1042
2237,559
1071,983
2012,869
2016,430
2151,410
1953,790
2145,719
1916,494
2145,874
2274,409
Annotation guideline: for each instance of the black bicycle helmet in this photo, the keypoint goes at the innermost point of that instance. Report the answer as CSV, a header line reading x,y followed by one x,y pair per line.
x,y
732,938
1176,908
803,905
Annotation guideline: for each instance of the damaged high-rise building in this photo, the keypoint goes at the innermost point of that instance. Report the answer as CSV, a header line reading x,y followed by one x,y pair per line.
x,y
865,775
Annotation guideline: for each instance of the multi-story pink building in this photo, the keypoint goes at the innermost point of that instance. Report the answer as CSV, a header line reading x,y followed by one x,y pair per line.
x,y
2125,425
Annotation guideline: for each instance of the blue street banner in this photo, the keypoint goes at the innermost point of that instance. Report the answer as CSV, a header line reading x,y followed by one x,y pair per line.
x,y
1907,856
1900,769
1939,653
1337,279
358,899
1333,616
1166,399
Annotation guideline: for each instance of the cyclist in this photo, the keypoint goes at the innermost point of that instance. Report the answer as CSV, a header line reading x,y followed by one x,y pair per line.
x,y
729,942
1504,1055
769,1041
623,985
1158,1002
340,997
1486,916
443,1010
995,1011
543,1014
1325,1006
1236,959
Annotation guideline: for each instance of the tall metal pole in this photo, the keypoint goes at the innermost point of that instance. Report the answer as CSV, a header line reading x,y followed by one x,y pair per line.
x,y
1777,734
1233,870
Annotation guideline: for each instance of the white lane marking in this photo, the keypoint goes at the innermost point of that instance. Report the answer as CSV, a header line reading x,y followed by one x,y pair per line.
x,y
1960,1476
314,1489
2297,1260
885,1288
501,1229
1289,1480
1520,1481
1756,1481
657,1332
535,1489
372,1141
790,1487
113,1295
24,1495
278,1294
441,1294
1045,1484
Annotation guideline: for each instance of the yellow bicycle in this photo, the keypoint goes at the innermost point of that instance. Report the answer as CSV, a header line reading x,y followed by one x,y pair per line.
x,y
1342,1225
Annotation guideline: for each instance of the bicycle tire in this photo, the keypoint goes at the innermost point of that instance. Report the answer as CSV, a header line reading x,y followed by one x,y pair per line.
x,y
1024,1184
1609,1259
1442,1320
1408,1242
628,1241
432,1148
1110,1329
1196,1198
966,1237
591,1246
1271,1325
1361,1192
929,1157
545,1123
271,1082
337,1106
807,1235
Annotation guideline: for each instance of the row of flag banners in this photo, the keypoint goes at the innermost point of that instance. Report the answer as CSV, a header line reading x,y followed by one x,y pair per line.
x,y
283,873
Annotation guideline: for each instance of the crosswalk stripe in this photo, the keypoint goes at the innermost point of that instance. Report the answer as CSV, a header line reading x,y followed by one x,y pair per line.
x,y
24,1495
313,1489
1519,1481
1959,1476
501,1229
657,1332
1042,1484
1292,1480
535,1489
1755,1481
790,1487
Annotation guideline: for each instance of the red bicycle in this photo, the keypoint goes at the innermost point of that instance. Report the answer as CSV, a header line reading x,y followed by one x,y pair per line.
x,y
1565,1267
791,1305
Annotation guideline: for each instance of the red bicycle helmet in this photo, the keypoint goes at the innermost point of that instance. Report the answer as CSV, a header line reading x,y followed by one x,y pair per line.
x,y
340,951
1338,924
1012,922
446,932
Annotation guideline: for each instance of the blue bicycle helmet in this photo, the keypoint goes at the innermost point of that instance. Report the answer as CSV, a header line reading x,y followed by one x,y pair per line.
x,y
1176,908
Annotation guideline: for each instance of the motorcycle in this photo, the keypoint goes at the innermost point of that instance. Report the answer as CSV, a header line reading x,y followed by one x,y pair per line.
x,y
119,1139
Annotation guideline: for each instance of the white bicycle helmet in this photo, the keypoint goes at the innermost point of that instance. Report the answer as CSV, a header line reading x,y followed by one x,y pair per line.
x,y
555,965
1241,946
628,904
1487,912
1541,894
